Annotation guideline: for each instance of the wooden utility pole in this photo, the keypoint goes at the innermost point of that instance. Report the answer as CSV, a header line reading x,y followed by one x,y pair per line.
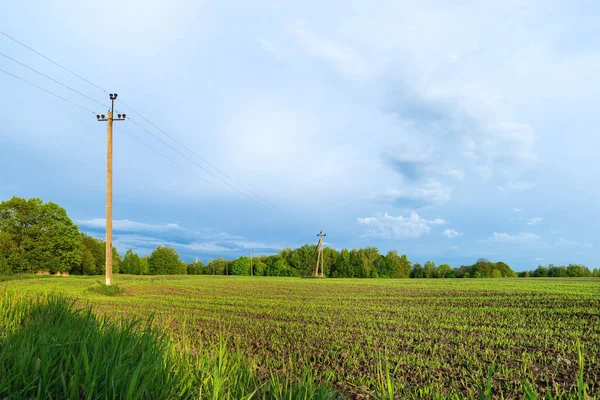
x,y
109,179
320,256
250,263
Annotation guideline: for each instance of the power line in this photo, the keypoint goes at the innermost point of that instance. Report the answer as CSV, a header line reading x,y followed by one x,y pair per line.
x,y
83,108
47,91
53,80
124,131
264,203
170,159
167,144
150,147
52,61
257,198
141,116
192,161
196,154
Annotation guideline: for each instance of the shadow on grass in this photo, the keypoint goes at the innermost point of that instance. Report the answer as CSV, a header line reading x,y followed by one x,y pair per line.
x,y
50,349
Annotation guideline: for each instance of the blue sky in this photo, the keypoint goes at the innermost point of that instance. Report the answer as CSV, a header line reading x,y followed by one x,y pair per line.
x,y
447,132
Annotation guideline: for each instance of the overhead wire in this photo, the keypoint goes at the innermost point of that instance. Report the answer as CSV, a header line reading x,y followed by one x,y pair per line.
x,y
119,128
145,144
170,159
94,100
256,197
191,160
195,154
47,91
52,61
53,80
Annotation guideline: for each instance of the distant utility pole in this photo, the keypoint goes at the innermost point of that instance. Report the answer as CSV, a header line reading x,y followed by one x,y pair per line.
x,y
320,255
109,178
250,263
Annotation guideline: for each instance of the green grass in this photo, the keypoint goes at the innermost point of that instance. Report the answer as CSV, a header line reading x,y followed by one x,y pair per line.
x,y
50,349
105,290
276,337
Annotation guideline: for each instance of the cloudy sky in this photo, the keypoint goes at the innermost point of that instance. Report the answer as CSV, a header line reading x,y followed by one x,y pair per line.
x,y
447,132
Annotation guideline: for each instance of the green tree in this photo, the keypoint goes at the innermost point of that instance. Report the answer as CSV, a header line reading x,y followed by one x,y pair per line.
x,y
482,268
88,262
368,256
195,268
576,270
131,263
356,264
216,267
342,265
144,266
259,268
98,249
116,261
7,247
505,270
165,261
281,268
40,237
417,271
444,271
241,266
540,272
462,272
430,269
303,259
396,266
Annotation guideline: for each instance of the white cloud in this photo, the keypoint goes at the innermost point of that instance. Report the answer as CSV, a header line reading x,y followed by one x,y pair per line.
x,y
523,239
518,210
344,57
573,243
430,193
506,145
535,221
400,227
128,226
451,233
269,46
143,238
515,186
433,192
454,173
439,90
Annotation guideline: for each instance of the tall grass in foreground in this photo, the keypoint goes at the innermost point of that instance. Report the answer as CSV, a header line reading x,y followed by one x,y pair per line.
x,y
50,349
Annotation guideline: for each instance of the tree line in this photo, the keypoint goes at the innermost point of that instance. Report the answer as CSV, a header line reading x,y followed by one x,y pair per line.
x,y
40,237
561,271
